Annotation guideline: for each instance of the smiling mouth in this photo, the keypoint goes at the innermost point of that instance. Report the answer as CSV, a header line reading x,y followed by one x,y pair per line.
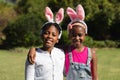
x,y
49,41
77,42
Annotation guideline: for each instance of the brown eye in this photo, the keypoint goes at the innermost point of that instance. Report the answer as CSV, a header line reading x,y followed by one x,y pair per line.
x,y
45,32
54,34
79,35
74,35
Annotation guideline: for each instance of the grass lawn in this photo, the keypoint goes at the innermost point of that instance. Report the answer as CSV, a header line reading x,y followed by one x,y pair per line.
x,y
109,64
12,64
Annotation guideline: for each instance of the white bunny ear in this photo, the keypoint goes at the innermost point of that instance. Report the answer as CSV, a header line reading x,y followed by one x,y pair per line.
x,y
80,12
59,16
49,14
71,13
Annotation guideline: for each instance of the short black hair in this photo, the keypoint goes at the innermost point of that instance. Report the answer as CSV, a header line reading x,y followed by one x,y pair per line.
x,y
47,25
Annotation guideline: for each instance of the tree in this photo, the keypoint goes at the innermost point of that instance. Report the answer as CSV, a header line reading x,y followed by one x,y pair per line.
x,y
25,31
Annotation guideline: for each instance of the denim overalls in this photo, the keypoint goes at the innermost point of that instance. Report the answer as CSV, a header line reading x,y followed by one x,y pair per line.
x,y
79,71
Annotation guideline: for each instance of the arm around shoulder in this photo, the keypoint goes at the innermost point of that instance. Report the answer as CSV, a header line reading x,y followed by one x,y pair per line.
x,y
31,55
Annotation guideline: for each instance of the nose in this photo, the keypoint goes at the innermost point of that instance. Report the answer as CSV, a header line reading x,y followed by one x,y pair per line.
x,y
77,37
50,35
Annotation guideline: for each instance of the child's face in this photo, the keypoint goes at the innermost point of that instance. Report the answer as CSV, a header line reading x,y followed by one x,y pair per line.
x,y
77,35
50,37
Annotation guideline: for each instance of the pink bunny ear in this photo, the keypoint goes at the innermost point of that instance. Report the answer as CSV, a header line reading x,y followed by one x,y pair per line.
x,y
71,13
49,14
59,16
80,12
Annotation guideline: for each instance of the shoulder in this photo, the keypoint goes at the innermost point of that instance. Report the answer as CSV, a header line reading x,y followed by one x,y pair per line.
x,y
93,54
58,50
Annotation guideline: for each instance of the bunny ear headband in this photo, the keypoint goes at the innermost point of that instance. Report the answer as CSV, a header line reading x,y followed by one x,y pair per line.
x,y
76,16
58,17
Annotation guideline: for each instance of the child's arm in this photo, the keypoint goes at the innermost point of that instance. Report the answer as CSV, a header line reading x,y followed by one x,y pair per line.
x,y
29,70
94,65
31,55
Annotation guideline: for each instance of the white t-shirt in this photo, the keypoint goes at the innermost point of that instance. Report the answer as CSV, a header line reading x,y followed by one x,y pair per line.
x,y
47,66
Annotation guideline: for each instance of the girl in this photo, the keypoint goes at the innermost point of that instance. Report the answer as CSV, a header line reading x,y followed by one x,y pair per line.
x,y
80,60
49,61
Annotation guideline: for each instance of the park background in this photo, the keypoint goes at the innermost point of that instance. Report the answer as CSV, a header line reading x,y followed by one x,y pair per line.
x,y
21,20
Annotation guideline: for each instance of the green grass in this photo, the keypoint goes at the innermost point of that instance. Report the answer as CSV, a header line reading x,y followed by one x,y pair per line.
x,y
12,64
108,64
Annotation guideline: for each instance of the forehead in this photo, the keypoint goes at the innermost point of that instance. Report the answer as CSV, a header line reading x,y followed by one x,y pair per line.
x,y
51,27
77,29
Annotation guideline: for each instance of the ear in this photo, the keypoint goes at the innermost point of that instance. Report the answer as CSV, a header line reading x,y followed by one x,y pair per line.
x,y
49,14
71,13
80,12
57,41
59,16
69,27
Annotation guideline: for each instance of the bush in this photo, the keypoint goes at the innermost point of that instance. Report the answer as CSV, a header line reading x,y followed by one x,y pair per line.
x,y
88,41
110,43
64,38
99,44
106,43
25,31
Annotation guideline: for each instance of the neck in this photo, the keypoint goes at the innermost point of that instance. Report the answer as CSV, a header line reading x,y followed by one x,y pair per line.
x,y
47,49
79,48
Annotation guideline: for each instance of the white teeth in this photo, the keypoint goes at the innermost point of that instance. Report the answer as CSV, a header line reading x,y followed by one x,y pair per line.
x,y
49,40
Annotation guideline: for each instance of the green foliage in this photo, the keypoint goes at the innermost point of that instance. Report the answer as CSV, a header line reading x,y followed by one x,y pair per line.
x,y
106,43
7,13
110,43
64,39
24,32
99,44
31,6
89,41
101,16
103,20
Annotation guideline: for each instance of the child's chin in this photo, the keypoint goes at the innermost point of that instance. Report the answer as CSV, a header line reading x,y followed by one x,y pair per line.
x,y
48,45
77,44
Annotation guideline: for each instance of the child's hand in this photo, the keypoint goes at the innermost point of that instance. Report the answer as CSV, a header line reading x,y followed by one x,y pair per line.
x,y
31,55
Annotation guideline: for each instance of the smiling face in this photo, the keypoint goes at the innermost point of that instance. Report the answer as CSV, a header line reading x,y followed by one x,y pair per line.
x,y
50,36
77,35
